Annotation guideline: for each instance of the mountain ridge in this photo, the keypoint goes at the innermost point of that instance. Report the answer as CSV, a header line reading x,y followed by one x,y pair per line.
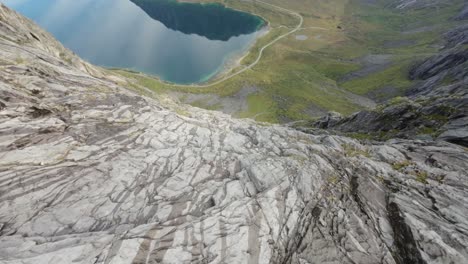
x,y
95,171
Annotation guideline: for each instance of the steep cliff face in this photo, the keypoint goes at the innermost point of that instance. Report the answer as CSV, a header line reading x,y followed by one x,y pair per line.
x,y
91,172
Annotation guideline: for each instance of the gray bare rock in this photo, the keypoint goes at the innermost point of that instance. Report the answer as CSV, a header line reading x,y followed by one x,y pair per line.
x,y
457,36
456,130
329,120
463,15
419,4
91,172
438,64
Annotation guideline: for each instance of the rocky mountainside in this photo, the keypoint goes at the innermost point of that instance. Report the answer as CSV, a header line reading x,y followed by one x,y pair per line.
x,y
435,108
91,172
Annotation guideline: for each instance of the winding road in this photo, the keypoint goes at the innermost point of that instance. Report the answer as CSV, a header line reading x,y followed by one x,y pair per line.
x,y
260,54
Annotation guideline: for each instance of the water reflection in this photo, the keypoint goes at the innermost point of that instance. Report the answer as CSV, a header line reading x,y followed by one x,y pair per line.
x,y
212,21
117,33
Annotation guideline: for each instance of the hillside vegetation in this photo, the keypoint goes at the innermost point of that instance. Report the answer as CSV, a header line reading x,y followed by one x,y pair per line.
x,y
347,55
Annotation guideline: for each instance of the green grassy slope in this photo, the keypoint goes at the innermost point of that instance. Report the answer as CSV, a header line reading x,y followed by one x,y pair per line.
x,y
300,79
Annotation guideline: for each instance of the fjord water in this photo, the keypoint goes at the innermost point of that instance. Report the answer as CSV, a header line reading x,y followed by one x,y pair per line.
x,y
178,42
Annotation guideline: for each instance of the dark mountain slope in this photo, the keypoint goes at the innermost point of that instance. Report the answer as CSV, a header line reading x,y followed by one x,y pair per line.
x,y
435,108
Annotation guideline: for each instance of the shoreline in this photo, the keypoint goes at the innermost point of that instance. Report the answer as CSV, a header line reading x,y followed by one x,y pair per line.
x,y
233,61
226,76
230,63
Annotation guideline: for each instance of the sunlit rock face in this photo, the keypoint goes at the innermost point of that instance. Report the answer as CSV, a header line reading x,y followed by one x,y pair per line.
x,y
91,172
212,21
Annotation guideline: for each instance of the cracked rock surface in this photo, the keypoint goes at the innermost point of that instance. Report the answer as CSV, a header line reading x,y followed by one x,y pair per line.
x,y
91,172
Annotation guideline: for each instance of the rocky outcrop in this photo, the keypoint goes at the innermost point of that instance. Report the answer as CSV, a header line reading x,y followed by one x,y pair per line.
x,y
435,108
439,64
91,172
463,15
457,36
418,4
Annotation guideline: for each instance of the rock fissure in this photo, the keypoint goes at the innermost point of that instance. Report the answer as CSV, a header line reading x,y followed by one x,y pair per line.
x,y
91,172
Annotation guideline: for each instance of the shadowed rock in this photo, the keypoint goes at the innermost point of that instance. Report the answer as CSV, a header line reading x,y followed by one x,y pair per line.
x,y
463,15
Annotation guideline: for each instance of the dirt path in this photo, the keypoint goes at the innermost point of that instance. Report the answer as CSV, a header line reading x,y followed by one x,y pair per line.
x,y
260,54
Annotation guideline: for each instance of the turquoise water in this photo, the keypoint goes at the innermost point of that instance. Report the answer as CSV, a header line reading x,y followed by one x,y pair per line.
x,y
178,42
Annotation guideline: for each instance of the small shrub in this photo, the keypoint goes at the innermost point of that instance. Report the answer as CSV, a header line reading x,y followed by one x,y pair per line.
x,y
427,130
19,60
352,151
361,136
380,178
398,100
440,178
333,179
421,176
401,165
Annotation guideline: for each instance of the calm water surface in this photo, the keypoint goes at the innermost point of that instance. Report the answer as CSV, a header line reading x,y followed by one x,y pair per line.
x,y
181,43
